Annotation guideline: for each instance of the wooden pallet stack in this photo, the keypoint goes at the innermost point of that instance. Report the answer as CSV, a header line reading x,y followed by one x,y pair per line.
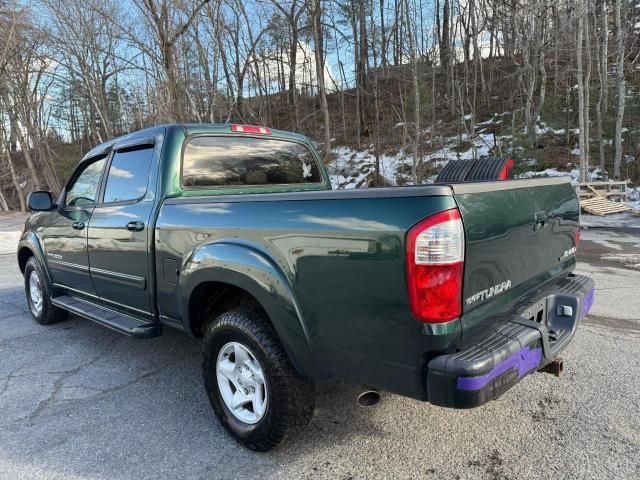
x,y
598,198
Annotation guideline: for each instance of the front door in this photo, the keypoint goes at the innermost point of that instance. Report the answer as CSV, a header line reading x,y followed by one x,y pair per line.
x,y
120,231
65,234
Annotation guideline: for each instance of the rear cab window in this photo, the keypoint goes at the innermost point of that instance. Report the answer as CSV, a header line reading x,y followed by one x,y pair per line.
x,y
218,161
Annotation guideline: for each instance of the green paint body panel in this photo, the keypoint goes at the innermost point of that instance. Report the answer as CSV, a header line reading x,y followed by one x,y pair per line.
x,y
327,267
503,245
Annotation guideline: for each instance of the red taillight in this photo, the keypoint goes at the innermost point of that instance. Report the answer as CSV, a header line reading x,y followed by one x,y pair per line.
x,y
250,129
435,267
577,238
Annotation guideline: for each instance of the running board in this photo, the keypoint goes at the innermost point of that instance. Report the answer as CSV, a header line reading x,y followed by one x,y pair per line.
x,y
109,318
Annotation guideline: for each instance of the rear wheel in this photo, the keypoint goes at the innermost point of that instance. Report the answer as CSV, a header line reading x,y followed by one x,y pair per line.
x,y
252,386
39,295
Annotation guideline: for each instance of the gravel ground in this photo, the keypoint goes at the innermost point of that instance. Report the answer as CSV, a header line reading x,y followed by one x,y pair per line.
x,y
78,401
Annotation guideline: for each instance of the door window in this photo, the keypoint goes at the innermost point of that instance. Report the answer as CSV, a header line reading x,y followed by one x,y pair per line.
x,y
217,161
128,175
85,188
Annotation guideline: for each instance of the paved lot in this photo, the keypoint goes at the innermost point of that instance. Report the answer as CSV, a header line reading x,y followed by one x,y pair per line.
x,y
80,401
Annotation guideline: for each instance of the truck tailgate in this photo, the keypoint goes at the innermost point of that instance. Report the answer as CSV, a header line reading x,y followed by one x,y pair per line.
x,y
518,233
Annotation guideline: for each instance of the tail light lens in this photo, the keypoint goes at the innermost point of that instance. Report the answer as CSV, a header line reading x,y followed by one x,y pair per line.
x,y
578,238
435,266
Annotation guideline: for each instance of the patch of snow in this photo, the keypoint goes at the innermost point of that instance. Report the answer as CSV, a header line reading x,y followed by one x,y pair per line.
x,y
541,128
489,122
633,199
354,169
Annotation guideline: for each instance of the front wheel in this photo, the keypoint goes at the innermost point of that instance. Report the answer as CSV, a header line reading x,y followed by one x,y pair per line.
x,y
39,295
252,386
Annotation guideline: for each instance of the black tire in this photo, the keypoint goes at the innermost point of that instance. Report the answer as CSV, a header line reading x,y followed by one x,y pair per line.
x,y
291,397
48,313
487,169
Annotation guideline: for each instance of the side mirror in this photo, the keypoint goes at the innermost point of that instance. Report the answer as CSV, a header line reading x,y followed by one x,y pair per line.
x,y
40,201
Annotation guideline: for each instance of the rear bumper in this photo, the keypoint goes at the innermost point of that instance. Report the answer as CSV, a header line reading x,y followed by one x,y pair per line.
x,y
516,345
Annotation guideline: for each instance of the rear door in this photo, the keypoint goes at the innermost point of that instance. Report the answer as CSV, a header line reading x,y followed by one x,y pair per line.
x,y
518,233
119,232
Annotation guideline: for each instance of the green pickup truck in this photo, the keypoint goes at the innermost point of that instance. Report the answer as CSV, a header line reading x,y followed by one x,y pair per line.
x,y
448,293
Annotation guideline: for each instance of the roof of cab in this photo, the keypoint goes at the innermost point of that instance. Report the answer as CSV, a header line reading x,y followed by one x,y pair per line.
x,y
190,129
195,128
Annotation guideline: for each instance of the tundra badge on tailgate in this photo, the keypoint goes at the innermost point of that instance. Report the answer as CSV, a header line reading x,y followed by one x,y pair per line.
x,y
489,292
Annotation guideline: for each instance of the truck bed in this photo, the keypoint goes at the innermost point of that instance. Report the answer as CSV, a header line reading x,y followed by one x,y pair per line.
x,y
341,255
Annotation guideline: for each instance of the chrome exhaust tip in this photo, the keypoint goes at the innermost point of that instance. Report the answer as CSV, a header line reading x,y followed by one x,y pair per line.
x,y
369,398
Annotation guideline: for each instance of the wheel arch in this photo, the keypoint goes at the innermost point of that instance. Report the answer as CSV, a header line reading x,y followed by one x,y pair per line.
x,y
30,246
232,269
24,254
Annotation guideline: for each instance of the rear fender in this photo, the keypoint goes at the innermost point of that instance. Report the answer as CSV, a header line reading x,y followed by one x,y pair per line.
x,y
247,268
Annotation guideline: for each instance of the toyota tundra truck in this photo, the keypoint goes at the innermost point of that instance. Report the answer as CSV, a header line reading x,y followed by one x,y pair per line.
x,y
450,293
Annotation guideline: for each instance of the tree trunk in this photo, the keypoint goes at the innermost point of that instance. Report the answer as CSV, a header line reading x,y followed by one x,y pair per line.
x,y
581,104
356,61
445,39
587,84
601,63
24,147
416,92
599,114
383,36
318,38
617,159
605,56
15,181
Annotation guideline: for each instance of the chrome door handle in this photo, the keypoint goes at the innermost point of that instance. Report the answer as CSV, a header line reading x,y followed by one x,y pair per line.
x,y
78,225
135,226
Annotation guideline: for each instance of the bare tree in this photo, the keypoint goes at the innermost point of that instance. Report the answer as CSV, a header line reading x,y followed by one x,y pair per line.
x,y
370,73
413,56
582,122
620,83
318,37
293,13
601,64
167,31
